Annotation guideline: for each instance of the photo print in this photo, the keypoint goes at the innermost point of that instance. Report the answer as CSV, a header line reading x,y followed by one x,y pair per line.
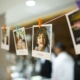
x,y
42,38
5,37
73,19
20,41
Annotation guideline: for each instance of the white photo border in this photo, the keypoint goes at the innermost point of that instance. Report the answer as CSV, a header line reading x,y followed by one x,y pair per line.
x,y
24,51
40,54
76,46
3,46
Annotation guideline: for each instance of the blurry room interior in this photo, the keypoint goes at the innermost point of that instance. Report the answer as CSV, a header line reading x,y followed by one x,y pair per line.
x,y
17,13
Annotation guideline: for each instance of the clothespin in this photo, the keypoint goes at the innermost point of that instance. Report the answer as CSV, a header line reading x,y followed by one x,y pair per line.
x,y
78,3
39,22
17,27
4,26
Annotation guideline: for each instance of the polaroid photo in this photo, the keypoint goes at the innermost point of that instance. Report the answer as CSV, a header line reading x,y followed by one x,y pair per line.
x,y
5,37
20,41
41,41
73,19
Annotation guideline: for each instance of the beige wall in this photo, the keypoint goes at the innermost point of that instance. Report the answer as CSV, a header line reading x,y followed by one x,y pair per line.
x,y
3,73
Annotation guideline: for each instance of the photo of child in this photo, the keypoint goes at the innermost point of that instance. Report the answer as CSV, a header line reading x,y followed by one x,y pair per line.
x,y
20,41
42,41
5,38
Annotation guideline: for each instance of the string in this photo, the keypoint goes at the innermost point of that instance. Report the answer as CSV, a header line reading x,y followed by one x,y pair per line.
x,y
54,19
28,28
49,20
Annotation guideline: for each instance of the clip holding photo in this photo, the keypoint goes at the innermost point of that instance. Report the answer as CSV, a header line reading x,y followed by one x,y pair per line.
x,y
4,26
39,22
17,27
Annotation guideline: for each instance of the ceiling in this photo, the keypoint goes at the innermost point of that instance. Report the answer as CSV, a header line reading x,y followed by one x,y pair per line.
x,y
16,10
8,4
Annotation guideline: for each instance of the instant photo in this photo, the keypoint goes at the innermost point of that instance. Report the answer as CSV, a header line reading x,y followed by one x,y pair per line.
x,y
5,38
41,41
20,41
73,19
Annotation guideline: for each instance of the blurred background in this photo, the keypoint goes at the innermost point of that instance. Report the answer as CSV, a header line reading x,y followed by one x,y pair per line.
x,y
16,12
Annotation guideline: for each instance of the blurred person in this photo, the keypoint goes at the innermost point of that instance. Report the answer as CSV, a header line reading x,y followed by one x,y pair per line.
x,y
46,68
43,68
63,68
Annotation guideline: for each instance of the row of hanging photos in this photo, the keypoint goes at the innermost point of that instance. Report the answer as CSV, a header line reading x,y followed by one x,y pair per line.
x,y
41,40
41,37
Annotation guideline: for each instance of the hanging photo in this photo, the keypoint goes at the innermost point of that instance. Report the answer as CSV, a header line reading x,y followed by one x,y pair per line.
x,y
73,19
42,41
5,37
20,41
